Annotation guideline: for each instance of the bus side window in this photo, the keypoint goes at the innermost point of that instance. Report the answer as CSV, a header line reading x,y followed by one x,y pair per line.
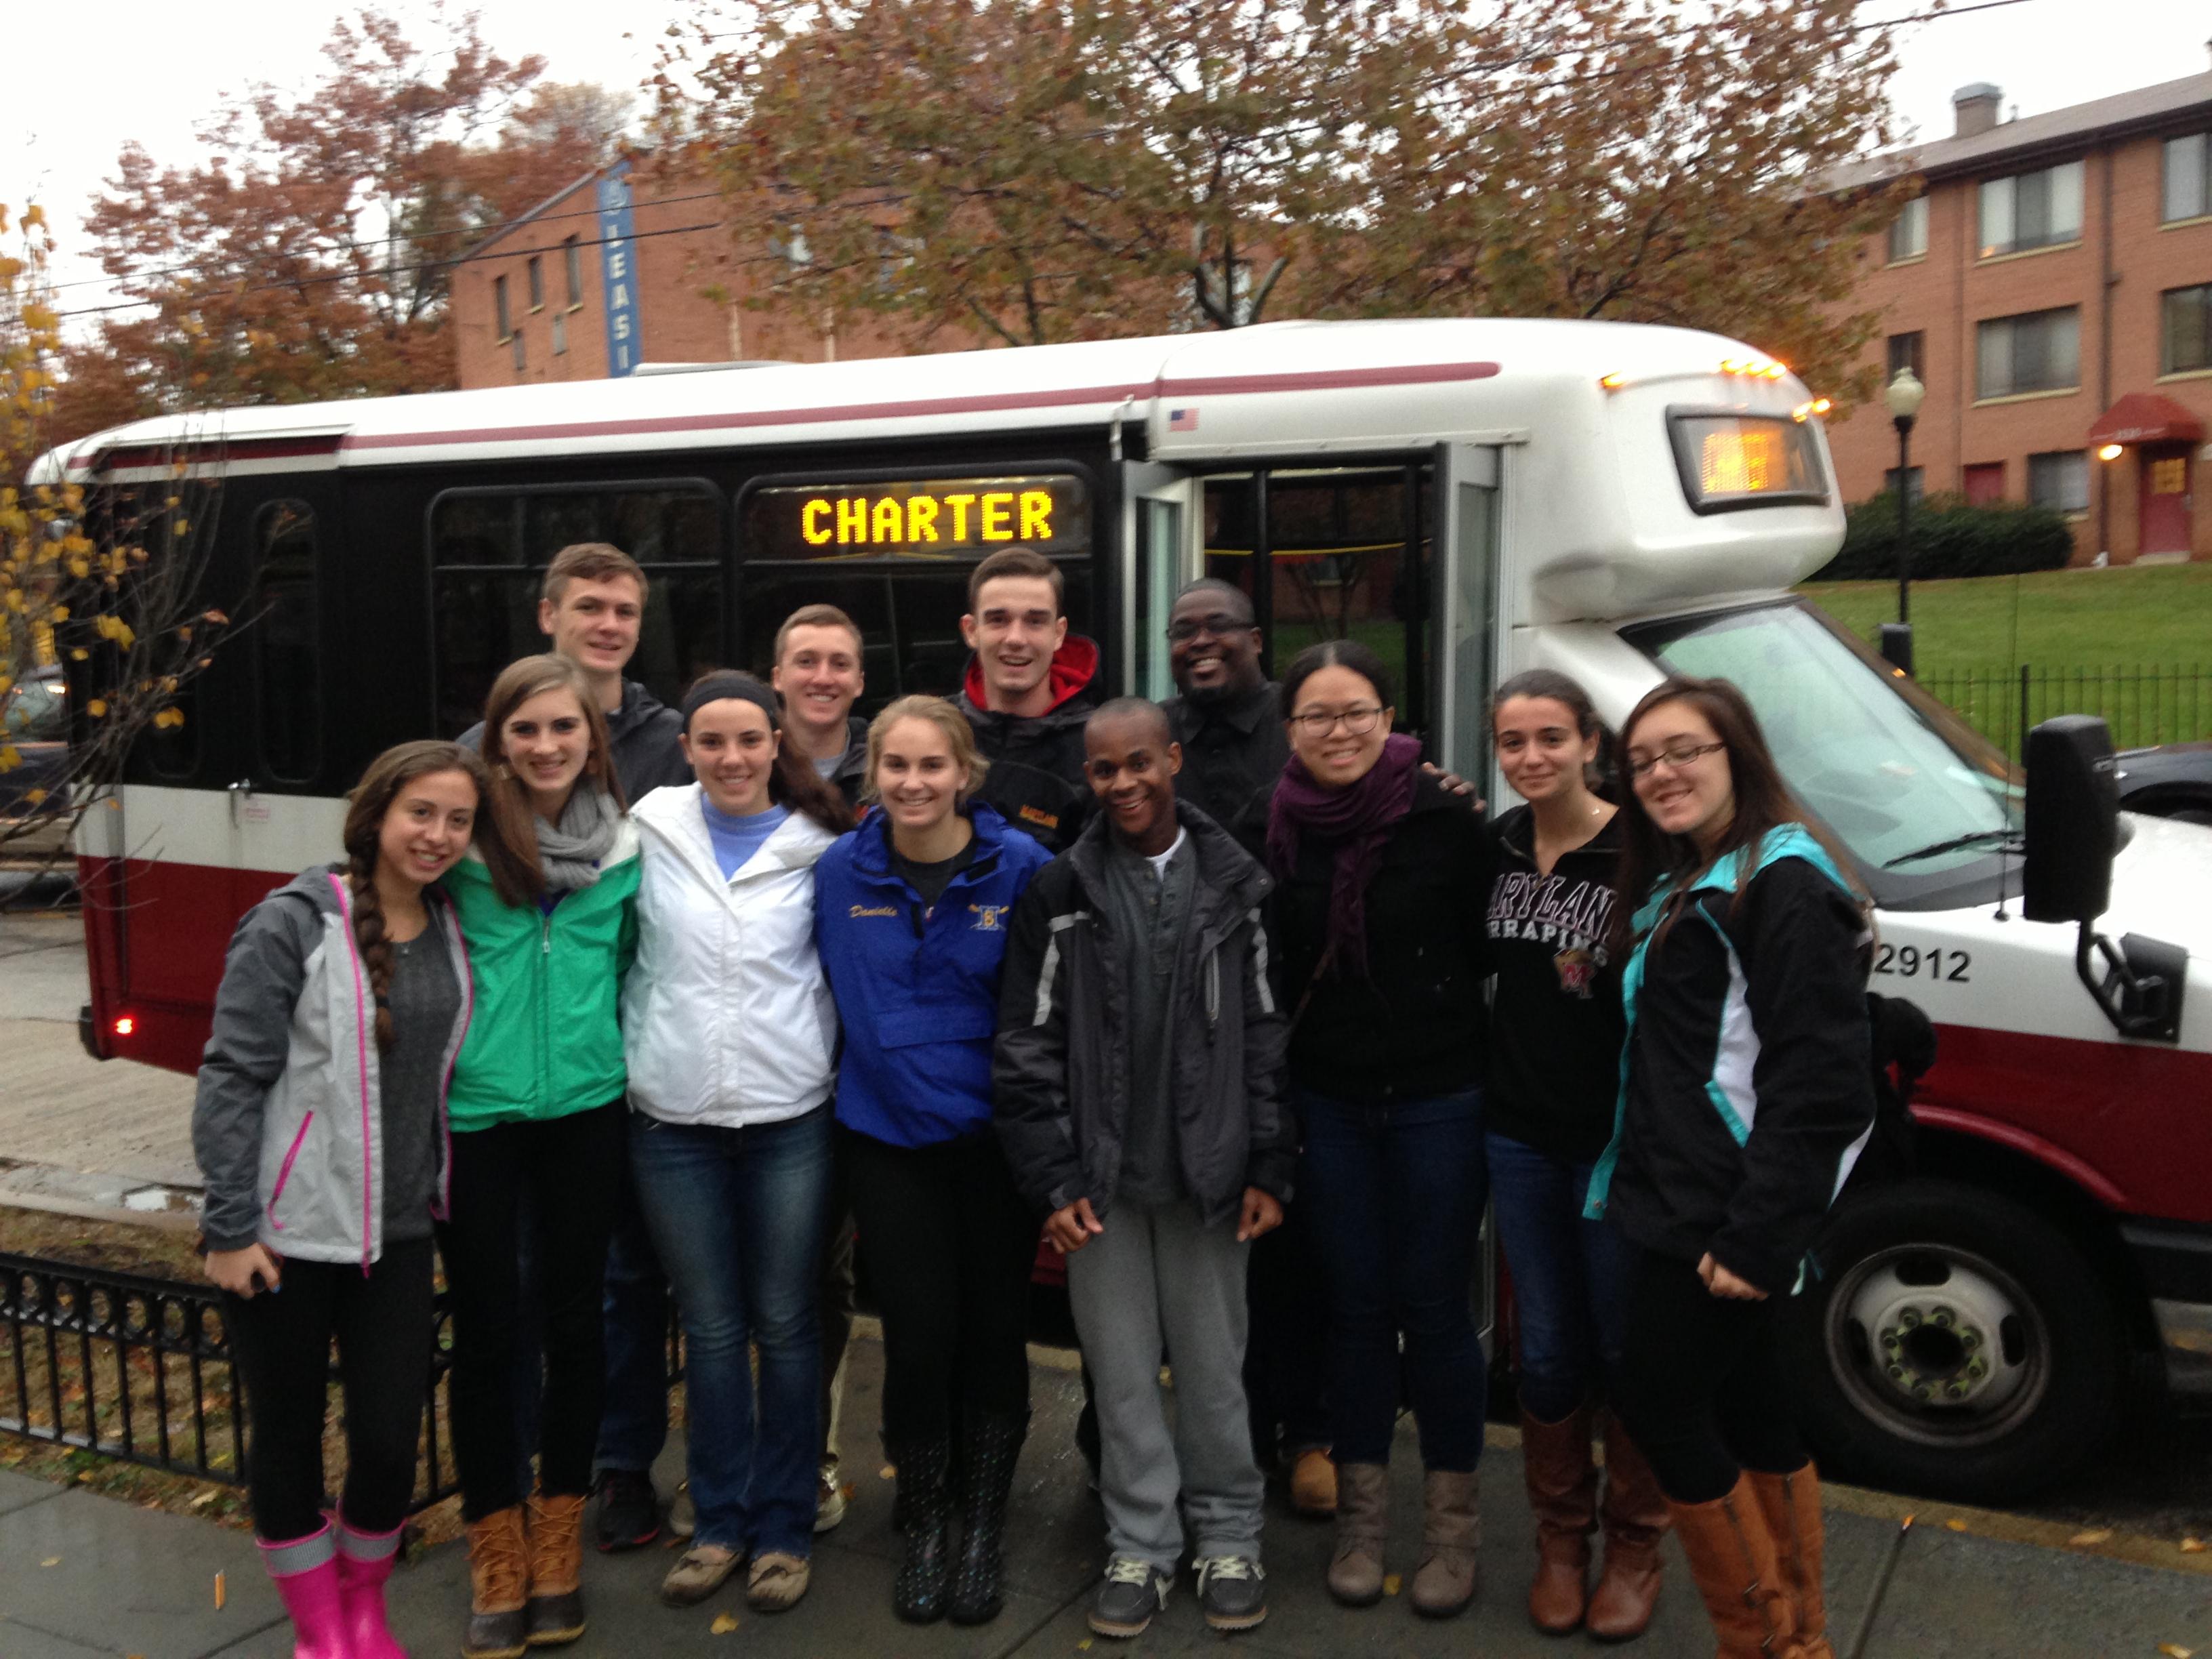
x,y
286,664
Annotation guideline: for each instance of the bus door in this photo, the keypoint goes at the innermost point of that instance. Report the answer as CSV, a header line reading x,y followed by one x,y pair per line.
x,y
1160,521
1467,661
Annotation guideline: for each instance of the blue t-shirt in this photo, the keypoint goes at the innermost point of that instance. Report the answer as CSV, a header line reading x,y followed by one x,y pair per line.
x,y
737,839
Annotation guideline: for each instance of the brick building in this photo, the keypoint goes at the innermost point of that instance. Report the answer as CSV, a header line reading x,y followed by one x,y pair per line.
x,y
621,268
2052,287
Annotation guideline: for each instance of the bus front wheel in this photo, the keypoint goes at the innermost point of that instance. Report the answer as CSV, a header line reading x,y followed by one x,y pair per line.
x,y
1955,1344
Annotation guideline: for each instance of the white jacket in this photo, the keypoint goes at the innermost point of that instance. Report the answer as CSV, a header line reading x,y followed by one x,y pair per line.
x,y
727,1017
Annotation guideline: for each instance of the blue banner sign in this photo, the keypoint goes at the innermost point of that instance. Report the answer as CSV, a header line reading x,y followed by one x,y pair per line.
x,y
619,270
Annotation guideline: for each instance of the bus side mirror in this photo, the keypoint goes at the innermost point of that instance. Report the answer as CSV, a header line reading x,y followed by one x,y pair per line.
x,y
2073,832
2073,820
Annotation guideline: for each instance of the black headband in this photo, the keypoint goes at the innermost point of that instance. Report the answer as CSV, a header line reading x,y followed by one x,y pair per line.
x,y
726,683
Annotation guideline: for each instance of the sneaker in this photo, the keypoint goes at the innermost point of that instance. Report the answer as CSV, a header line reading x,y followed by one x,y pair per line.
x,y
683,1514
828,1499
629,1510
697,1574
1232,1591
776,1582
1134,1591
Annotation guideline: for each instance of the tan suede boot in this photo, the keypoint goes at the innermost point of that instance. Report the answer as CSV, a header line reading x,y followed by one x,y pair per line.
x,y
1791,1506
1555,1458
1635,1517
1362,1501
1451,1531
1732,1562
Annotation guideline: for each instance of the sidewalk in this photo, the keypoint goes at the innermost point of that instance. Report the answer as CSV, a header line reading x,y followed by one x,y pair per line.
x,y
125,1581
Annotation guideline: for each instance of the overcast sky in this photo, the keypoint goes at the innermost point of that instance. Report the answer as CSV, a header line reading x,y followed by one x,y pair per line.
x,y
153,79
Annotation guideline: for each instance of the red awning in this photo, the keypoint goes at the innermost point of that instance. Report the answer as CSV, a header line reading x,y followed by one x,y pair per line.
x,y
2144,417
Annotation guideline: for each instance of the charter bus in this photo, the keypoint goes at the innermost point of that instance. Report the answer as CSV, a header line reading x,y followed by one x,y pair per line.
x,y
1472,498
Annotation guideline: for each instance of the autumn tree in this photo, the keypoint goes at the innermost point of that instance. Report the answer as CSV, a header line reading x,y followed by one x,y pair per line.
x,y
306,253
1035,170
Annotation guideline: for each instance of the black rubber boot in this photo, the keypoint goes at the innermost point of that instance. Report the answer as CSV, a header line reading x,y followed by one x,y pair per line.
x,y
987,1453
925,1492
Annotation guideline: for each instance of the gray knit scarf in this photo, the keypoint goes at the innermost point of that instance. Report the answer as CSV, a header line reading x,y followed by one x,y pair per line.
x,y
569,851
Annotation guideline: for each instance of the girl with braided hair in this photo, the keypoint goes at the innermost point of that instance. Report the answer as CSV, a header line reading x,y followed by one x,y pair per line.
x,y
319,1130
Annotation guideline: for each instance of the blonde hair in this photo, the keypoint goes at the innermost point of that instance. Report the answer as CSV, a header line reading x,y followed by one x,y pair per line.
x,y
959,737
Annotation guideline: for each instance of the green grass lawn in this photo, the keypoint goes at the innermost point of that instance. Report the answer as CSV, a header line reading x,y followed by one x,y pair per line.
x,y
2133,644
2152,616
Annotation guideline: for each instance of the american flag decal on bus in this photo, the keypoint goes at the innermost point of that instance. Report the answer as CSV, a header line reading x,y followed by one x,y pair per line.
x,y
1183,420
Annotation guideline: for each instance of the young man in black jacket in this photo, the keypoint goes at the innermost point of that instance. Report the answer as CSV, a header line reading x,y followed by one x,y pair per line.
x,y
1138,1083
1027,693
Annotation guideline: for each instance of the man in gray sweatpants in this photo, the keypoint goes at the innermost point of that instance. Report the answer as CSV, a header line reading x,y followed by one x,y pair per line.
x,y
1138,1078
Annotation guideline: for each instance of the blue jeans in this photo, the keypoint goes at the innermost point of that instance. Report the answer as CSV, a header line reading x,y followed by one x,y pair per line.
x,y
1396,1191
738,1217
1569,1276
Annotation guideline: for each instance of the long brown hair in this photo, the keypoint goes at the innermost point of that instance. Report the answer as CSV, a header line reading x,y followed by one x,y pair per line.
x,y
1763,803
506,835
792,782
368,804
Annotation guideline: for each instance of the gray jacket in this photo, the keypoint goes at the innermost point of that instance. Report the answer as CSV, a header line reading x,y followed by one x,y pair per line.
x,y
1062,1073
288,1124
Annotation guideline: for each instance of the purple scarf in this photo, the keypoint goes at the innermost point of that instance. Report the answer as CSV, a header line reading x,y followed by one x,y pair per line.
x,y
1355,822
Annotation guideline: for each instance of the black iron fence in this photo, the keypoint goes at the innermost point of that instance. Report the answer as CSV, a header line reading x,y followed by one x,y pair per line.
x,y
141,1369
2142,706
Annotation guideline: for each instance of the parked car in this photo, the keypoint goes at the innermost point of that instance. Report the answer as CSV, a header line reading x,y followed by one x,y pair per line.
x,y
2173,782
34,723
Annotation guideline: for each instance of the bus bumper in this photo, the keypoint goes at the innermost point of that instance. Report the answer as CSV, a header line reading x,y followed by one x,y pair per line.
x,y
2176,1260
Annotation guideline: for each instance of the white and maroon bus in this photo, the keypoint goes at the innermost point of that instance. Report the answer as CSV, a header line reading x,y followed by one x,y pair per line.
x,y
1472,498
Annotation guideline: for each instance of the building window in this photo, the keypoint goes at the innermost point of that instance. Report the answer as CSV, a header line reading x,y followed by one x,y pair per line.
x,y
519,358
572,267
1984,482
537,268
1908,232
2031,210
2185,329
1914,483
560,334
1907,351
2059,478
2039,351
2186,178
499,308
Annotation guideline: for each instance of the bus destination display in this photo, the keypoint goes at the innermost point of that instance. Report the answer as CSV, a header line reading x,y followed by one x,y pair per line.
x,y
925,519
1746,460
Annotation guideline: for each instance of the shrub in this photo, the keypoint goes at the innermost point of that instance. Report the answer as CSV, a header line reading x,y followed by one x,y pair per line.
x,y
1950,538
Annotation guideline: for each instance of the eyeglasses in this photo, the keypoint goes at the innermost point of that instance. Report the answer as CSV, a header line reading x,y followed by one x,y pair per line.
x,y
1319,723
1218,624
1676,758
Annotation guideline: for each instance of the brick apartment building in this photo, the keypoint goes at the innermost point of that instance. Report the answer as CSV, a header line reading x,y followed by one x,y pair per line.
x,y
625,267
2052,287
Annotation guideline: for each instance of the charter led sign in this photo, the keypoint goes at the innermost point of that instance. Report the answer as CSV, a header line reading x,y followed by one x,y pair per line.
x,y
923,519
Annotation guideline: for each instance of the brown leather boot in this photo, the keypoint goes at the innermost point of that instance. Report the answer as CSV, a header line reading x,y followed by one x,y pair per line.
x,y
1791,1506
1363,1504
1635,1517
499,1580
1555,1457
556,1568
1732,1562
1451,1531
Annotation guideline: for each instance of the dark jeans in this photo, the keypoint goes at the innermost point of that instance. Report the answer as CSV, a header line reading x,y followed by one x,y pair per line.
x,y
949,1244
633,1422
381,1319
739,1216
1286,1357
1396,1194
1701,1386
1569,1276
570,1167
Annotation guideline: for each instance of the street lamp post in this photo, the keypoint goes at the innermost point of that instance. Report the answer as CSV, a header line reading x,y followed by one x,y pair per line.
x,y
1905,396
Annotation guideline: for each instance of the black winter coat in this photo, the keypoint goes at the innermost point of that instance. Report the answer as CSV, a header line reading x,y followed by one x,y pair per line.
x,y
1414,1024
1062,1071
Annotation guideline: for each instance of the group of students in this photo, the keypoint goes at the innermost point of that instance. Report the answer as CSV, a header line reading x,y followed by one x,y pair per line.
x,y
1249,1010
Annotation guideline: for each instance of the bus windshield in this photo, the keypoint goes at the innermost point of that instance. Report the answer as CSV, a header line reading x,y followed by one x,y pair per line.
x,y
1904,783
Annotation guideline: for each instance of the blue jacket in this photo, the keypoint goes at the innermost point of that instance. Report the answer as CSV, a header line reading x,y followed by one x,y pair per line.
x,y
918,998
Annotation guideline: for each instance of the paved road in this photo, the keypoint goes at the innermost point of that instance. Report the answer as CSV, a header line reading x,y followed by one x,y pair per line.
x,y
123,1581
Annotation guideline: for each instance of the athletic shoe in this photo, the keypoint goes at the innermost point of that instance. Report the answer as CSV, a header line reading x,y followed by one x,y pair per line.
x,y
629,1510
828,1499
1134,1591
1232,1591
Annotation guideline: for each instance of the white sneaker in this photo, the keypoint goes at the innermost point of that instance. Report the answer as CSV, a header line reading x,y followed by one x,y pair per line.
x,y
683,1516
828,1499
